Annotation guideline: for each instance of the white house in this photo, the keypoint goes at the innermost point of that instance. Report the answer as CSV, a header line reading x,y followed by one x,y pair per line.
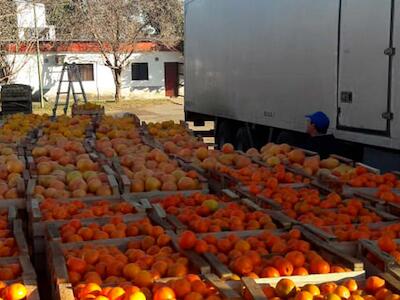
x,y
149,73
31,15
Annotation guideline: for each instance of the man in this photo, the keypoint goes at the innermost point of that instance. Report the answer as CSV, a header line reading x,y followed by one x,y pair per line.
x,y
318,138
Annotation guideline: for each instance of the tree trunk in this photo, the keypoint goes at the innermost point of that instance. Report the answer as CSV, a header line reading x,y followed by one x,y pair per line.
x,y
117,80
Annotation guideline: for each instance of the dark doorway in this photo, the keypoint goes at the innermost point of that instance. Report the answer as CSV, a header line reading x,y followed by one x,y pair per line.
x,y
171,79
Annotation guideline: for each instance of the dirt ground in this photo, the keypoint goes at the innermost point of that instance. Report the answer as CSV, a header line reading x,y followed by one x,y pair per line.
x,y
149,110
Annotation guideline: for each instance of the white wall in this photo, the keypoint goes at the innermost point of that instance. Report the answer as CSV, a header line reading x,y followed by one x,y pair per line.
x,y
26,14
103,85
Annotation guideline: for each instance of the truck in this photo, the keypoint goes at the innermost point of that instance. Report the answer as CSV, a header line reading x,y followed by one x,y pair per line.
x,y
257,67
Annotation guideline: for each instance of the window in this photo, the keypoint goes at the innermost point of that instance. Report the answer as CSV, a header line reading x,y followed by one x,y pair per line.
x,y
140,71
86,71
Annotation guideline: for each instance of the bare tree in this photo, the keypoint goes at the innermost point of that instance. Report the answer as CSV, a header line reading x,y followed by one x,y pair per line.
x,y
14,50
117,26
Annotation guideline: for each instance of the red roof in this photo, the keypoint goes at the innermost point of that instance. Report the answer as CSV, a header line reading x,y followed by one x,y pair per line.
x,y
85,47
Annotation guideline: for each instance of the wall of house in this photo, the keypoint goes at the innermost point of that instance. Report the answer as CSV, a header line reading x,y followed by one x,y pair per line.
x,y
102,87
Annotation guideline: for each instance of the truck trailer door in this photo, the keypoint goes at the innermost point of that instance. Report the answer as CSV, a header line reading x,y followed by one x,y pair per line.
x,y
365,65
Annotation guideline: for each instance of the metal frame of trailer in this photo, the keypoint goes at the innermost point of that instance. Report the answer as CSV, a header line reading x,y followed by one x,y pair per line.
x,y
272,62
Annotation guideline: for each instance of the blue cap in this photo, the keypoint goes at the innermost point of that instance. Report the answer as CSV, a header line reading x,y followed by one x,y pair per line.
x,y
319,119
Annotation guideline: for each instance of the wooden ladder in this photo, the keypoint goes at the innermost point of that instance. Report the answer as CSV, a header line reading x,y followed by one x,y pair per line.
x,y
72,72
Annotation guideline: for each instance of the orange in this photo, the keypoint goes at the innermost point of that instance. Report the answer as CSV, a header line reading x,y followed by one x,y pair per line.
x,y
332,296
242,265
296,258
284,287
312,288
387,244
342,292
382,293
304,295
16,291
337,269
319,266
89,288
300,271
199,286
163,240
91,256
351,284
181,287
356,297
269,272
327,288
284,267
177,270
115,293
201,246
143,279
374,283
164,293
193,296
187,240
147,242
393,297
136,296
130,270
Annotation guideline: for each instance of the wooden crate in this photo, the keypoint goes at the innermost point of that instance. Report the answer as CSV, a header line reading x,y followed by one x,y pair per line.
x,y
111,181
76,111
53,228
56,250
389,264
19,236
28,272
37,227
349,247
280,219
369,194
19,203
59,273
125,186
253,285
64,291
324,249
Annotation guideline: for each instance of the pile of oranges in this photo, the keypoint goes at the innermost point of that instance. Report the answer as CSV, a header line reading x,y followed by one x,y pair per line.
x,y
72,128
206,213
363,178
263,255
189,287
145,260
351,211
17,126
373,288
117,136
11,169
177,140
385,193
10,271
57,210
353,232
307,206
261,180
8,245
388,244
74,231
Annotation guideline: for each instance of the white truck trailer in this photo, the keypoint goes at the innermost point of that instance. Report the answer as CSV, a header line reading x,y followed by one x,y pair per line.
x,y
257,67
